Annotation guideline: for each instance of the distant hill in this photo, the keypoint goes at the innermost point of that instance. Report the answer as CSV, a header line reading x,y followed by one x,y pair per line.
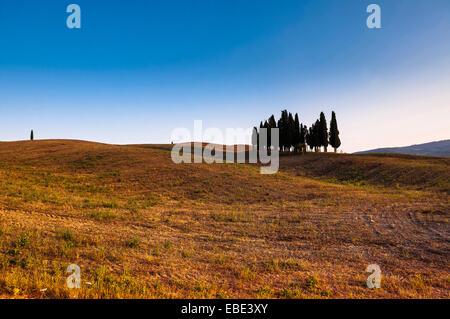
x,y
439,148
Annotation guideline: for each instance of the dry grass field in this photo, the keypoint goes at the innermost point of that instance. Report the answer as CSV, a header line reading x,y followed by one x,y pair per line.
x,y
140,226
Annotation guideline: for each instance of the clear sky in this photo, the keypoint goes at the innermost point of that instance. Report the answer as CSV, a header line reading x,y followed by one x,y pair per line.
x,y
138,69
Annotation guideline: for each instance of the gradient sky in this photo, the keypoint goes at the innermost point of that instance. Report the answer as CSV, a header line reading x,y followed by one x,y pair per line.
x,y
138,69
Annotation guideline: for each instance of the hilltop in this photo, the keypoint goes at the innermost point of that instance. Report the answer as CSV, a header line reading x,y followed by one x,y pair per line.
x,y
141,226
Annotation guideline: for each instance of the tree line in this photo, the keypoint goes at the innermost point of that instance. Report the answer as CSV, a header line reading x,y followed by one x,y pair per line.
x,y
294,136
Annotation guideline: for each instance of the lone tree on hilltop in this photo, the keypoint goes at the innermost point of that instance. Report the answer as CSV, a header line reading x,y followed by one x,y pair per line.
x,y
31,135
335,142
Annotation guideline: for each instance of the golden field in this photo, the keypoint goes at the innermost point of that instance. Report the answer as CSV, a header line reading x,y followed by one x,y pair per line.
x,y
140,226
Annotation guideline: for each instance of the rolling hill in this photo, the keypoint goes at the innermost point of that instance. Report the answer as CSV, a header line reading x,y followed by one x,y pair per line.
x,y
140,226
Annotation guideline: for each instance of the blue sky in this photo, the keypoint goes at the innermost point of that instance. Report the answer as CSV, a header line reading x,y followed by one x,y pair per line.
x,y
138,69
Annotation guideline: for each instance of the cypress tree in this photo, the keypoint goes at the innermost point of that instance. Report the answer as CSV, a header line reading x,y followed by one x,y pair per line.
x,y
316,135
291,131
280,134
335,142
31,135
323,132
255,138
271,124
266,126
283,123
310,137
285,128
303,131
296,132
263,143
302,137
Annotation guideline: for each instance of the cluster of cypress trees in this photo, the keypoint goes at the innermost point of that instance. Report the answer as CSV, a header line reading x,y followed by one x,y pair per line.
x,y
294,136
